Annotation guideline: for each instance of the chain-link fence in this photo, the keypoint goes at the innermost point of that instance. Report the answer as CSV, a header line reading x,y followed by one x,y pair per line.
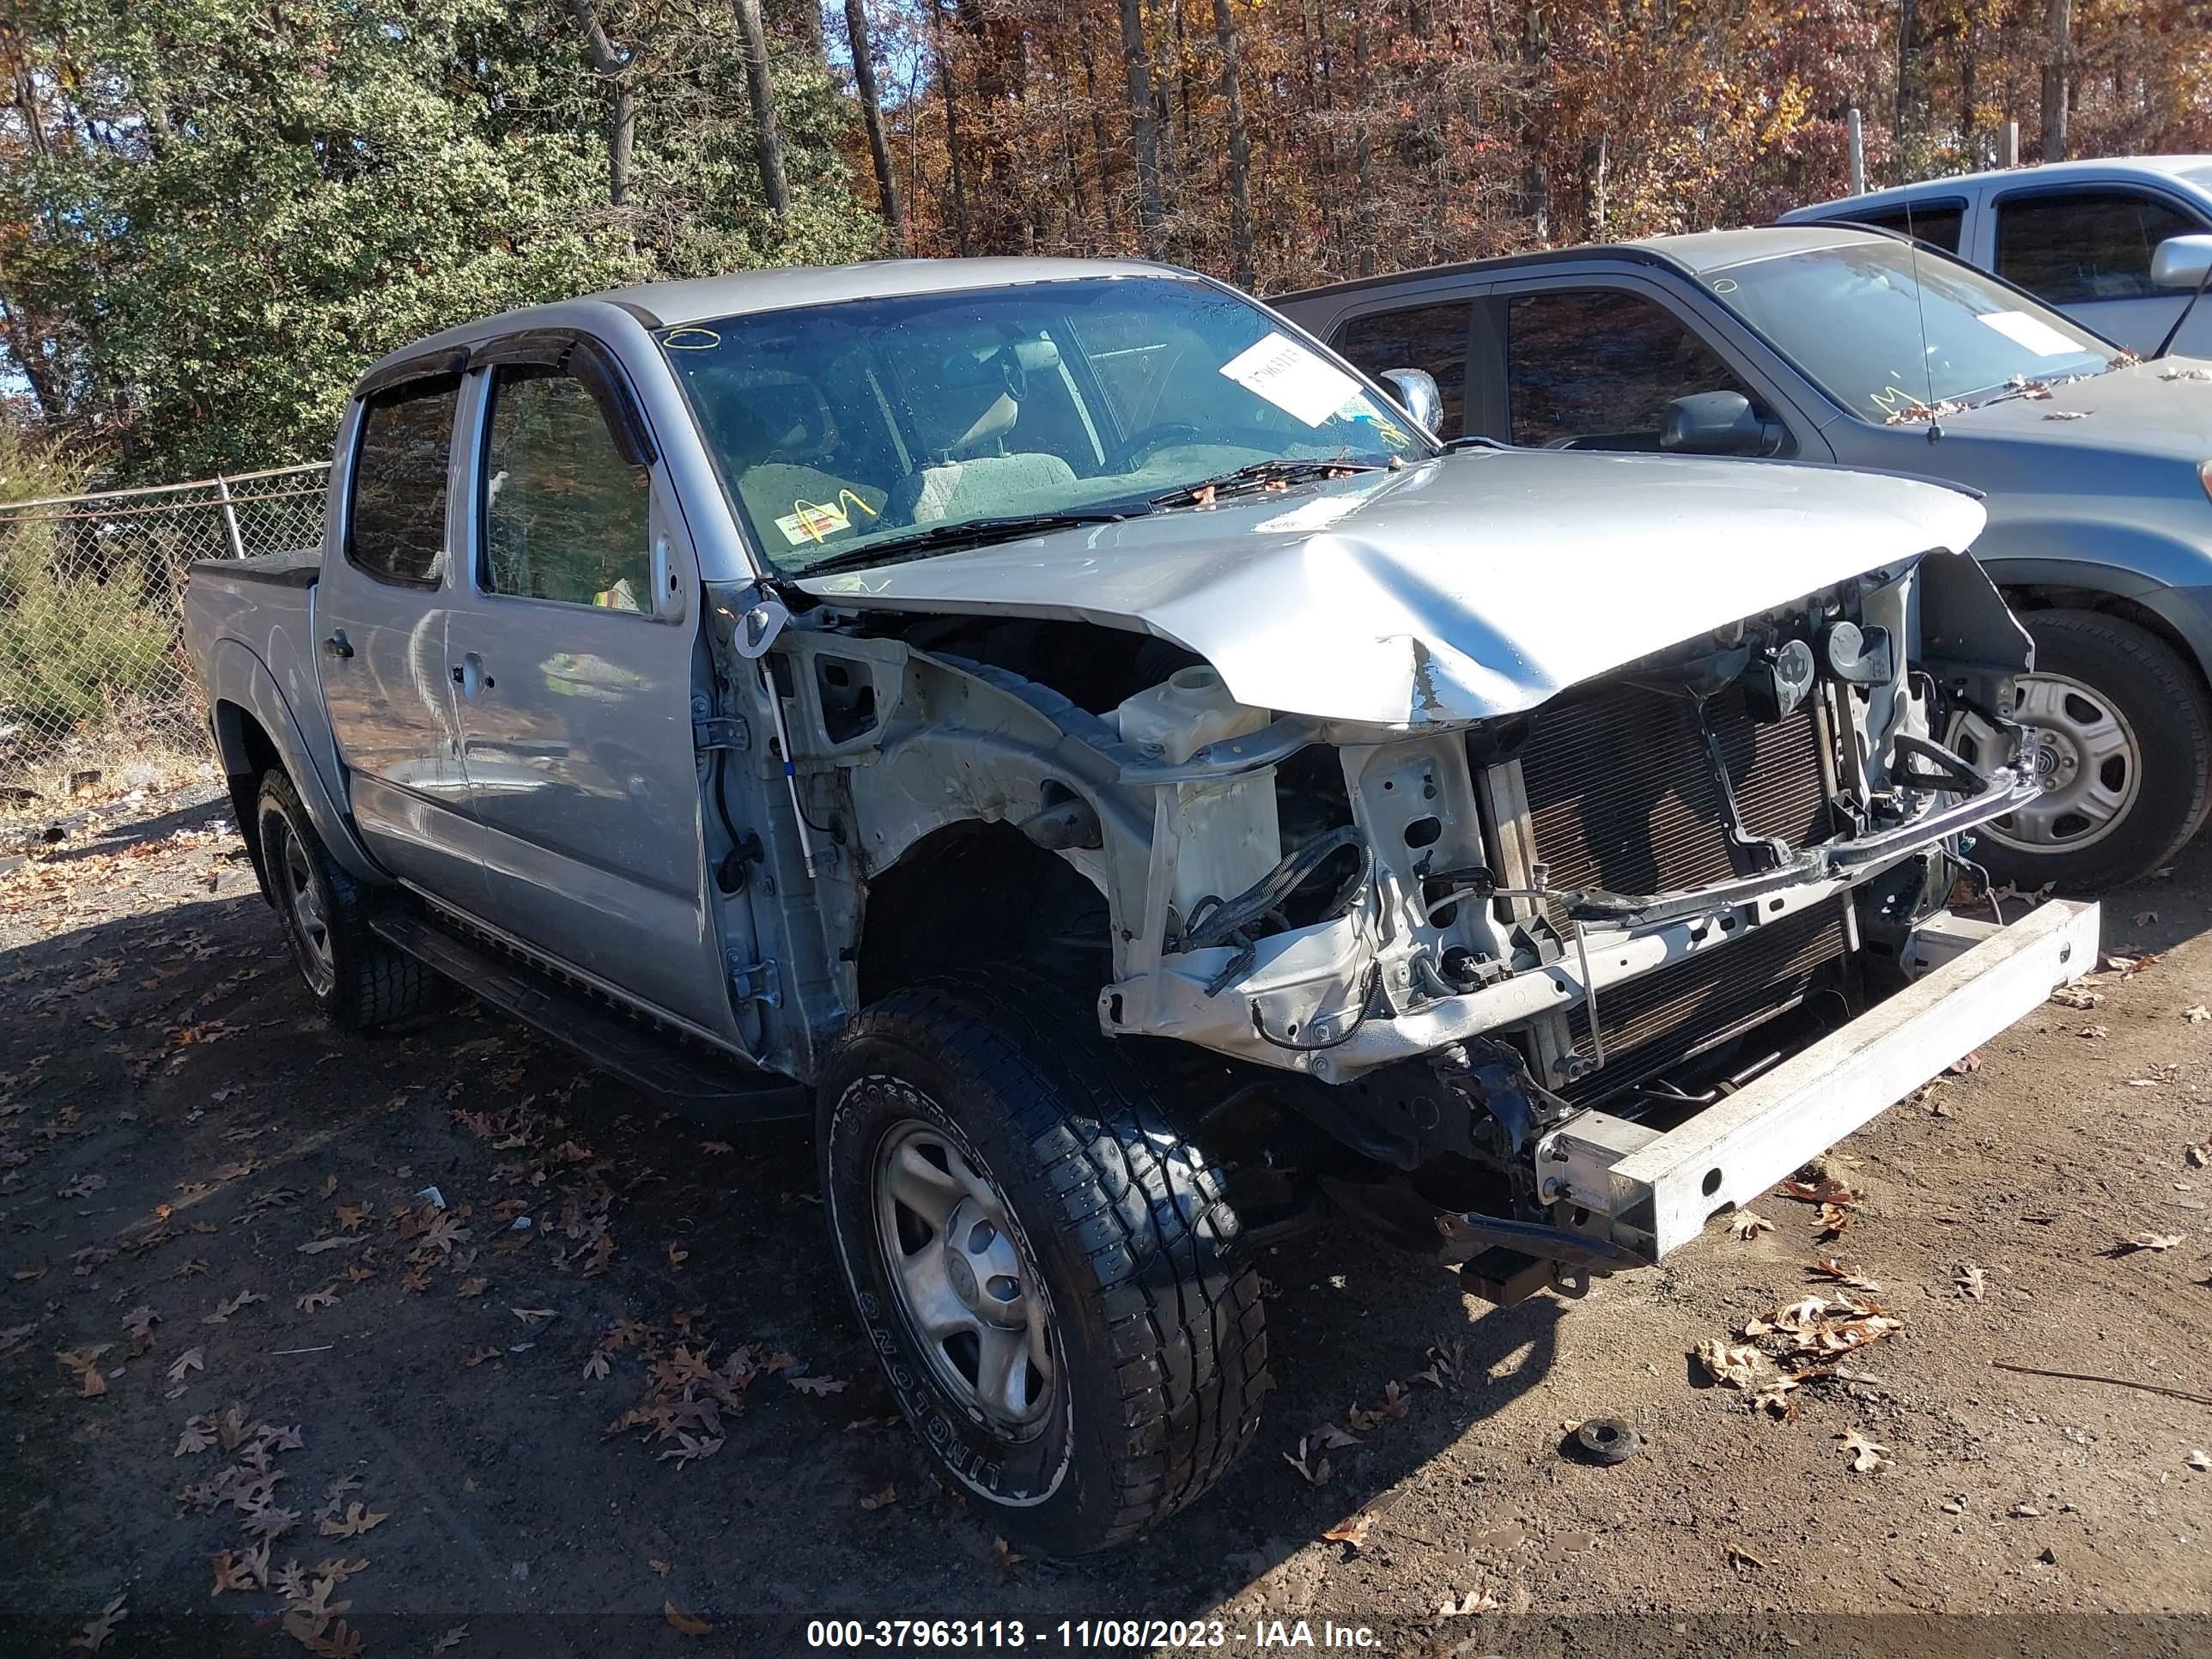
x,y
93,675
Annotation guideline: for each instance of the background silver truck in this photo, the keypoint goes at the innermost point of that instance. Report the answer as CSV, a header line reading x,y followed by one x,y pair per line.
x,y
1087,747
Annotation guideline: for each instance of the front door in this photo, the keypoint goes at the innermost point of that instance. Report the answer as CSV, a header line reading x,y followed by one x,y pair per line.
x,y
381,613
572,685
2088,250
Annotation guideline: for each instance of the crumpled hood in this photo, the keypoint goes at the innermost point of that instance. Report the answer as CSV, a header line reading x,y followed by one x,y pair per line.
x,y
1460,589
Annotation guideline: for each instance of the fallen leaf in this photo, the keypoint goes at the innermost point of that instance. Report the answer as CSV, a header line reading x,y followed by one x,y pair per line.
x,y
1834,1217
357,1520
818,1385
140,1323
340,1642
715,1148
224,1310
1740,1557
1738,1364
1472,1601
314,1300
2146,918
317,1246
677,1257
877,1500
683,1622
1829,1267
1352,1532
1310,1462
531,1317
99,1630
2149,1241
451,1638
1968,1280
232,1572
93,1385
2197,1014
1747,1225
476,1356
192,1359
596,1367
1969,1061
1333,1439
472,1287
198,1436
689,1447
1005,1558
2076,996
1867,1458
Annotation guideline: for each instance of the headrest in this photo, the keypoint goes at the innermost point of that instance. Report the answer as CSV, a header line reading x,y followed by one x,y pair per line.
x,y
979,394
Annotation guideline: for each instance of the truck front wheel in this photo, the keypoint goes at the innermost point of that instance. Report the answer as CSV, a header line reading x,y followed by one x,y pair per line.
x,y
356,978
1046,1268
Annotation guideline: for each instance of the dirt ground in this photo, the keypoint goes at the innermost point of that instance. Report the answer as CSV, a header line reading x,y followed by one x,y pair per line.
x,y
232,1305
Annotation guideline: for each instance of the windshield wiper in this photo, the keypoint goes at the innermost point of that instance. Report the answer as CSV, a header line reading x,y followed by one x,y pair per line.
x,y
1260,474
968,533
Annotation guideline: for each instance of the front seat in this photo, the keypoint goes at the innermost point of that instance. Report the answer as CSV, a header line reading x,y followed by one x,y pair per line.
x,y
769,431
970,473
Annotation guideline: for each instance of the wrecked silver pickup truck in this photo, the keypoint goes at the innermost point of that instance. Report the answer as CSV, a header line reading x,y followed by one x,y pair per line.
x,y
1098,755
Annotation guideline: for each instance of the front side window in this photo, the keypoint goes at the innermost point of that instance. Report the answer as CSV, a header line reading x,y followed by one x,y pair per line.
x,y
841,426
1938,222
1595,368
1888,331
1431,337
2090,246
565,517
396,526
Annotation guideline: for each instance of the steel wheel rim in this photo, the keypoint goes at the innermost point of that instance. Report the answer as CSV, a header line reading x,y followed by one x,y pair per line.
x,y
968,1288
307,908
2080,748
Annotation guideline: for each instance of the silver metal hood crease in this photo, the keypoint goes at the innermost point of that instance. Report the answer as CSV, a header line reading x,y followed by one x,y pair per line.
x,y
1457,589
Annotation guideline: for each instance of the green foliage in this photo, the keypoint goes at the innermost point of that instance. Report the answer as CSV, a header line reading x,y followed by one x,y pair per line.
x,y
242,205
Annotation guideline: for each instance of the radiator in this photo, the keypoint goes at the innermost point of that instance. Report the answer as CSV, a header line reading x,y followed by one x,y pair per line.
x,y
1621,796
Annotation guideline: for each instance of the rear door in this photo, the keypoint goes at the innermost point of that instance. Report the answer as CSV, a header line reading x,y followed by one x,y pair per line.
x,y
381,608
572,679
2088,249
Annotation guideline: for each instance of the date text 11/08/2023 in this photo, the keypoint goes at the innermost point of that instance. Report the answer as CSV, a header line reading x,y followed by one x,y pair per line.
x,y
1144,1635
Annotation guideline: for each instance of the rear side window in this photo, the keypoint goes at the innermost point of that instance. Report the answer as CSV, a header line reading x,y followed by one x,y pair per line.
x,y
565,517
396,530
1937,223
1595,368
2090,246
1431,337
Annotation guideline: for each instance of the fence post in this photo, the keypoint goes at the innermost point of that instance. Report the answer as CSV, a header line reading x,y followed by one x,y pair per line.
x,y
1855,137
229,516
2012,143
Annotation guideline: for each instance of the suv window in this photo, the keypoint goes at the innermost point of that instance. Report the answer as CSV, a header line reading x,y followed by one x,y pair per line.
x,y
1431,337
396,529
1938,222
1595,368
565,517
2089,245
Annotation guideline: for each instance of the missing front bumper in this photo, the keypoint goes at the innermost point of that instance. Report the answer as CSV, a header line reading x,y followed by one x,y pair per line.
x,y
1650,1194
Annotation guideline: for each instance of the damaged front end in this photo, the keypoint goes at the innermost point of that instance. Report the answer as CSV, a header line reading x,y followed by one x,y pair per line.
x,y
1496,957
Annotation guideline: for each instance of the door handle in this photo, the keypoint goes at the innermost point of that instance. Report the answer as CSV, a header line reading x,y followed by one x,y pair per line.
x,y
337,645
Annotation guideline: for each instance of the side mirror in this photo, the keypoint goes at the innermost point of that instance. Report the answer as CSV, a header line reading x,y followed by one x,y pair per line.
x,y
2181,261
1419,397
1718,423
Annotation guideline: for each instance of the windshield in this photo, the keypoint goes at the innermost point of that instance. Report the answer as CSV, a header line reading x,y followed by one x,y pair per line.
x,y
840,427
1852,318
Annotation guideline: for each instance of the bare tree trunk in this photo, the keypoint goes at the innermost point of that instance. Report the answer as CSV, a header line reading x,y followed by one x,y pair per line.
x,y
1364,91
952,129
871,116
1911,87
1240,149
802,20
767,137
612,66
2058,47
1098,140
1143,124
26,346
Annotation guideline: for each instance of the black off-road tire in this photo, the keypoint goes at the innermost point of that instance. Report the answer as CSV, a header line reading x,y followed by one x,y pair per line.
x,y
2160,699
356,978
1155,1321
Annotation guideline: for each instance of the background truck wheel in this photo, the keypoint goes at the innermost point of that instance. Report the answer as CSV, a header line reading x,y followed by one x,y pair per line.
x,y
1047,1270
360,981
2122,737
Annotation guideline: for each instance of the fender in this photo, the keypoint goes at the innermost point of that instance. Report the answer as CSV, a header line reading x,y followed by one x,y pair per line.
x,y
2165,576
239,685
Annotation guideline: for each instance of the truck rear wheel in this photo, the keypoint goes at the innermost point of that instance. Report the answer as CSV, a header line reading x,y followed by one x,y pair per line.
x,y
1046,1267
357,979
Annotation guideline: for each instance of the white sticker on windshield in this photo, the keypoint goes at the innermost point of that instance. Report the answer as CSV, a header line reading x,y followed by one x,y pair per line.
x,y
1304,387
2032,332
812,524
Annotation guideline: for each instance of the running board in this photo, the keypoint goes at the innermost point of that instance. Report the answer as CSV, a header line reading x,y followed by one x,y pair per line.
x,y
676,1068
